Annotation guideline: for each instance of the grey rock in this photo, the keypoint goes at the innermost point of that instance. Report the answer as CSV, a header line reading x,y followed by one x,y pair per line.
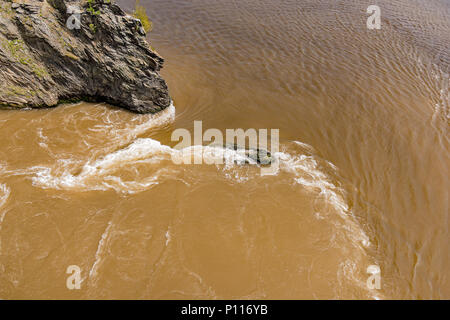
x,y
257,155
43,62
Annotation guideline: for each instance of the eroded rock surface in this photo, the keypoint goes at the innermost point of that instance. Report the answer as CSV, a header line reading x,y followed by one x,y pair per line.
x,y
44,59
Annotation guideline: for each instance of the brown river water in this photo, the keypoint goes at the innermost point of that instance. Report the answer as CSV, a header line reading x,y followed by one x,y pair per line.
x,y
363,121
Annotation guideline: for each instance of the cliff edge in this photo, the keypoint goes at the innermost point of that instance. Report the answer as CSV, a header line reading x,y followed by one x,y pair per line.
x,y
55,51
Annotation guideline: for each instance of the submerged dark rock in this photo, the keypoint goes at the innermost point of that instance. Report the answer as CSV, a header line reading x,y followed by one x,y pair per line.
x,y
44,60
258,155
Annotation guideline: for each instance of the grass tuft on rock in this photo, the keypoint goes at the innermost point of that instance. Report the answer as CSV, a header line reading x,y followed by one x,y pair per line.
x,y
141,13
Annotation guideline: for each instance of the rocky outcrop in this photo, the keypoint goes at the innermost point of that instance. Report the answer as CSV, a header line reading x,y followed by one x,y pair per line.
x,y
54,51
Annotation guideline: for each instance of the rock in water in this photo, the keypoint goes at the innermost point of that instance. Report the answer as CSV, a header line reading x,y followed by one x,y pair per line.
x,y
258,155
47,57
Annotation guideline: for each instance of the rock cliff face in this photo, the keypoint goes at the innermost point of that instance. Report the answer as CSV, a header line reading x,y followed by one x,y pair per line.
x,y
54,51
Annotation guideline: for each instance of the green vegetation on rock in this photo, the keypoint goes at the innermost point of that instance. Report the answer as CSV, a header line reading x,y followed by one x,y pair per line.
x,y
92,27
5,9
13,90
141,14
91,9
18,51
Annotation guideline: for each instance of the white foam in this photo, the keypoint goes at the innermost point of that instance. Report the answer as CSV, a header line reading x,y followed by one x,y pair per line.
x,y
4,195
168,236
152,120
100,174
99,252
103,173
119,134
211,155
95,174
305,146
307,172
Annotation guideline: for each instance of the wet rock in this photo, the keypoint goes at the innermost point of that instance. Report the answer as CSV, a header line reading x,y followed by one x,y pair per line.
x,y
258,155
44,60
